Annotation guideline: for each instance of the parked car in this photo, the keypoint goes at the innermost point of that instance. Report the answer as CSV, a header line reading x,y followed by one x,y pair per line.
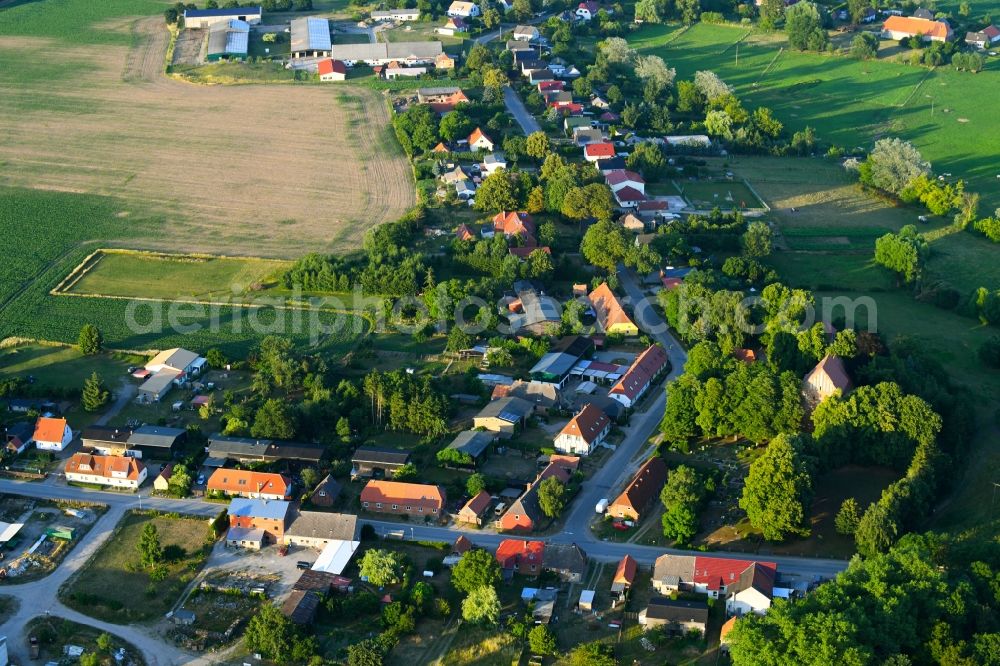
x,y
301,564
201,479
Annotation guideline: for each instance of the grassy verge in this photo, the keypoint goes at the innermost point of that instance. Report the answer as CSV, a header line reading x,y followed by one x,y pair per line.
x,y
113,587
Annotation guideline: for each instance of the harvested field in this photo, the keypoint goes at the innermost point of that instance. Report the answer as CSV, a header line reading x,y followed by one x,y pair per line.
x,y
269,170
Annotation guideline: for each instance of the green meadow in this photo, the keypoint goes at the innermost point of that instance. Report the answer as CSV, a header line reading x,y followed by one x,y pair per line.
x,y
851,103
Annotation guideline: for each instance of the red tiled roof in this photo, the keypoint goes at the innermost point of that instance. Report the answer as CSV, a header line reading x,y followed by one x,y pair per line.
x,y
745,355
629,193
567,461
622,176
602,149
588,424
465,233
646,366
229,481
389,492
653,205
556,470
49,429
478,134
626,570
329,66
478,504
917,26
511,552
514,223
544,86
715,572
104,466
461,545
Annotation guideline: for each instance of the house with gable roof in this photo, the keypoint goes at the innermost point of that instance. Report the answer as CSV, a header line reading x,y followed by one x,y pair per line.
x,y
647,366
641,491
610,313
827,378
479,141
51,434
584,432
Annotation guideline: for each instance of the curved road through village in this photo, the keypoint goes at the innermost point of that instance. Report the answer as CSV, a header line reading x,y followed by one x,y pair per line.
x,y
41,597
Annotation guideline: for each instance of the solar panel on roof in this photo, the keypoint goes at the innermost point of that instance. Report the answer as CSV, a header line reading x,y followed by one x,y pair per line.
x,y
509,416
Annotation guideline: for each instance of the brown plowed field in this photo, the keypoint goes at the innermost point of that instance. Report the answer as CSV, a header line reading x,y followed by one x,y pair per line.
x,y
266,170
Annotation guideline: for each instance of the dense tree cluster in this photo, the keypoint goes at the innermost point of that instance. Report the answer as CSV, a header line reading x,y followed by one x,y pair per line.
x,y
903,253
407,403
928,600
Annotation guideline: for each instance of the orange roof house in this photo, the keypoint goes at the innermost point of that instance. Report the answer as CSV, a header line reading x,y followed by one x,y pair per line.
x,y
479,141
828,377
515,224
119,471
51,434
745,355
403,498
464,233
584,431
331,70
644,487
610,313
524,557
903,27
246,483
624,575
594,152
440,148
474,509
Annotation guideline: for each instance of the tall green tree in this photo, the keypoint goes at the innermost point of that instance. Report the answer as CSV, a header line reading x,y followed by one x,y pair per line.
x,y
380,567
482,606
682,497
537,145
150,550
269,633
90,340
804,25
541,640
551,497
274,419
778,490
757,240
94,394
477,568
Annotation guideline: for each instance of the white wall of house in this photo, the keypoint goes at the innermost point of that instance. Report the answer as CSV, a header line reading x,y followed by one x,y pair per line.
x,y
113,481
749,600
573,445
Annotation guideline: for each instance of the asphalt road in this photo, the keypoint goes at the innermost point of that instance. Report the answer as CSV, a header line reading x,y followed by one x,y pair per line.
x,y
516,108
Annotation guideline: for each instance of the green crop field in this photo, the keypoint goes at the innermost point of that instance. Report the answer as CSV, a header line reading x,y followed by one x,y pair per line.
x,y
850,103
170,277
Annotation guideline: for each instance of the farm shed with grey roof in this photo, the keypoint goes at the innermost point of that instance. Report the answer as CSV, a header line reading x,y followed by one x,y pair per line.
x,y
472,442
382,53
157,441
228,41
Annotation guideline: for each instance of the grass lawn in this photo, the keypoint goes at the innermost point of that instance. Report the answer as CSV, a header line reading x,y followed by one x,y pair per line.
x,y
350,38
54,633
111,586
422,31
850,103
483,647
152,275
74,21
725,194
62,367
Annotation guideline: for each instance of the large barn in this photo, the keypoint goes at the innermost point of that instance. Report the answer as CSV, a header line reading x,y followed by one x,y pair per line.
x,y
228,41
207,18
311,38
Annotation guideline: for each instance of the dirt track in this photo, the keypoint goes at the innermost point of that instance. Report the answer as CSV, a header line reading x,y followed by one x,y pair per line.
x,y
269,170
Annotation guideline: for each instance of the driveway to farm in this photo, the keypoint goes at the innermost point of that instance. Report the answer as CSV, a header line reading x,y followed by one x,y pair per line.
x,y
126,392
516,108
